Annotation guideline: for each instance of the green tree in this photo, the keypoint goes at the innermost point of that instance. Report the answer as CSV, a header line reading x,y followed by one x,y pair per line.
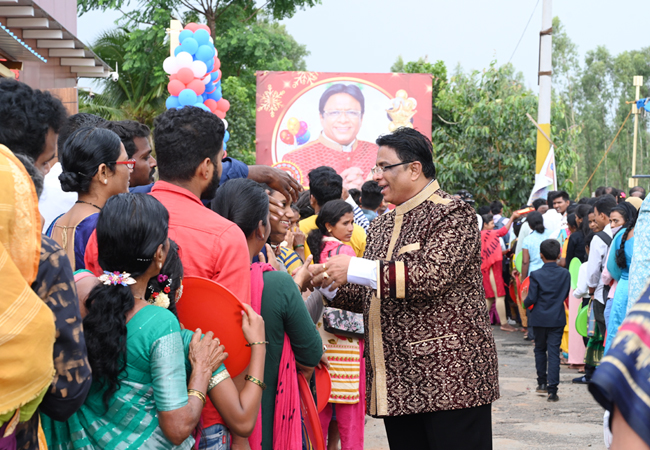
x,y
490,150
140,91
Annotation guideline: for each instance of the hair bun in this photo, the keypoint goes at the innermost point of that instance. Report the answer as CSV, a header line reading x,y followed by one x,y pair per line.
x,y
73,182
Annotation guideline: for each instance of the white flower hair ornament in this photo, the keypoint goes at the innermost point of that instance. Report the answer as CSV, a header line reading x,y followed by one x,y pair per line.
x,y
115,278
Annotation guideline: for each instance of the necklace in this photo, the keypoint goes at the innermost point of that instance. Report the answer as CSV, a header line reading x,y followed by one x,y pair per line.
x,y
88,203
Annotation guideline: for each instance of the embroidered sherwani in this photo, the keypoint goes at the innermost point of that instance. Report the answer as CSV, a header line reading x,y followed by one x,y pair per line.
x,y
429,343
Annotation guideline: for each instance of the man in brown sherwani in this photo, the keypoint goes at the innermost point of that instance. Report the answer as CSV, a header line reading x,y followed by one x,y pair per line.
x,y
431,361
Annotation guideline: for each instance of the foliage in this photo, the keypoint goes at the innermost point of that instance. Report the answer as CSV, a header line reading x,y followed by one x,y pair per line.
x,y
490,151
139,93
246,35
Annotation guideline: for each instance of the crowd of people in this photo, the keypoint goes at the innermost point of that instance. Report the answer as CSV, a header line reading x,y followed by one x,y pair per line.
x,y
388,289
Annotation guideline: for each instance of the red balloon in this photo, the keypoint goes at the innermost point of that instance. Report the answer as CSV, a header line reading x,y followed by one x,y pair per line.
x,y
203,26
286,137
223,105
175,87
220,114
211,104
185,75
192,26
217,63
173,76
197,86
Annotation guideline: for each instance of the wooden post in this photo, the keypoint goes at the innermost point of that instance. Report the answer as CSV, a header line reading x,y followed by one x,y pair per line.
x,y
174,30
637,81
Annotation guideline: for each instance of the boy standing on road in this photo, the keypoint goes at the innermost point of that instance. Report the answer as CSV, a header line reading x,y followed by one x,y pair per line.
x,y
549,287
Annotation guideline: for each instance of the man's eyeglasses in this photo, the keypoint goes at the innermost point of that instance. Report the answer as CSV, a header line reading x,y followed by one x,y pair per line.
x,y
381,169
335,114
130,163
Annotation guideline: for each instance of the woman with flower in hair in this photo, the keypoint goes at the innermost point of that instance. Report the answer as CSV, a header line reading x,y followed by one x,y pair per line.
x,y
138,354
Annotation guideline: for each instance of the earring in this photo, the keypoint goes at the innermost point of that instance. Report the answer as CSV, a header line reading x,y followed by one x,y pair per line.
x,y
159,265
329,231
105,181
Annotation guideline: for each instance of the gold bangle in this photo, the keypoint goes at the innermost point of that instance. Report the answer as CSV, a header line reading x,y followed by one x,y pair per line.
x,y
256,381
197,394
218,378
257,343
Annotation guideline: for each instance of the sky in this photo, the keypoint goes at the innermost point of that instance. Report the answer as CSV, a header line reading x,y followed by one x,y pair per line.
x,y
369,35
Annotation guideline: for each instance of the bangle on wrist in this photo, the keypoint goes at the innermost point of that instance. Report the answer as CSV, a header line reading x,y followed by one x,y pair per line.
x,y
255,381
257,343
298,246
197,394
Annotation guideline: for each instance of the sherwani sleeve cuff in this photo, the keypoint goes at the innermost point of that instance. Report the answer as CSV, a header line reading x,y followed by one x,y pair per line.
x,y
392,279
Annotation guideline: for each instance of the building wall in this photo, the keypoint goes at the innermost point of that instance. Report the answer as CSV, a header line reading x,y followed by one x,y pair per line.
x,y
63,11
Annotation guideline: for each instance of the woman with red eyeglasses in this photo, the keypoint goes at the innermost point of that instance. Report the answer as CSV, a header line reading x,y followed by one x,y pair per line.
x,y
95,166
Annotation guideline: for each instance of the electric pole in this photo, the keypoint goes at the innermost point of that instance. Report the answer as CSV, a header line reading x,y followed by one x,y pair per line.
x,y
544,81
637,81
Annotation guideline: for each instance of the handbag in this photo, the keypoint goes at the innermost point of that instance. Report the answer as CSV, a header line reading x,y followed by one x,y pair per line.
x,y
343,323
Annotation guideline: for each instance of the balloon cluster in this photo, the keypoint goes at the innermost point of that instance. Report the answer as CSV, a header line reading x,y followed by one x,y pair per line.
x,y
194,75
297,129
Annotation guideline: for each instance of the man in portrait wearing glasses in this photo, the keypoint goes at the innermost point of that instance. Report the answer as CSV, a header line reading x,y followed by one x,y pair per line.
x,y
431,361
341,110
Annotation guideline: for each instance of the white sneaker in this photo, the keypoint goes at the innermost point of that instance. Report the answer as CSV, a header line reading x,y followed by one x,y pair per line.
x,y
512,322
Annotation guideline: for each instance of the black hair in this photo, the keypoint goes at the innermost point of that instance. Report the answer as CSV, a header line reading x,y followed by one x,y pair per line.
x,y
243,202
550,197
183,139
638,189
582,212
588,238
605,204
26,115
592,200
411,145
340,88
34,173
127,130
130,229
83,153
571,208
303,204
571,220
538,202
600,190
76,121
550,249
170,276
487,218
535,221
356,195
325,184
583,201
331,213
485,209
563,194
630,214
371,196
496,207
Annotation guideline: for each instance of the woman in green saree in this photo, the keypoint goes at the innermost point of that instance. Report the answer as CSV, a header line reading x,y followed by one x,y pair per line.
x,y
141,397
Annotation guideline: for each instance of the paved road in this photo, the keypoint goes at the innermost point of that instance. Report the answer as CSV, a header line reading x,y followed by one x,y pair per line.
x,y
523,419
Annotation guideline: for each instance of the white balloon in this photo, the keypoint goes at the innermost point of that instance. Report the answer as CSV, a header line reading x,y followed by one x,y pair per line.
x,y
184,59
170,65
211,40
225,123
199,68
207,79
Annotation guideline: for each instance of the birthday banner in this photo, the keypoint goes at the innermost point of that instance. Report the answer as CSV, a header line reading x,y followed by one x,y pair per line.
x,y
311,119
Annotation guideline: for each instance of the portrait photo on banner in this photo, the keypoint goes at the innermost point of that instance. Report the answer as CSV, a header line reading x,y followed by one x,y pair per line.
x,y
310,119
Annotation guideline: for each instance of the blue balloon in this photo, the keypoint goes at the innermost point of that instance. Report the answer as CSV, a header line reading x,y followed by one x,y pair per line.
x,y
202,106
187,97
303,139
177,50
184,35
225,147
214,76
172,102
226,136
202,36
216,95
205,53
201,98
210,65
190,45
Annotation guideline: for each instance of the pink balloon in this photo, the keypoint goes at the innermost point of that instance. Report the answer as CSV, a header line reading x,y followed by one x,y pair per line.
x,y
175,87
185,75
220,114
203,26
211,104
217,63
192,26
223,105
197,86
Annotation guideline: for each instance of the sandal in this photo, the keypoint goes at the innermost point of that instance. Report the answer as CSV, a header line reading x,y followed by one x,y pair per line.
x,y
509,328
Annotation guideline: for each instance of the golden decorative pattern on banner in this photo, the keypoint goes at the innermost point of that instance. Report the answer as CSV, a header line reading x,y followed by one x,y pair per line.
x,y
307,78
271,101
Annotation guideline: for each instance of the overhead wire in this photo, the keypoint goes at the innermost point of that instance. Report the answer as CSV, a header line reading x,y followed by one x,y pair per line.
x,y
524,32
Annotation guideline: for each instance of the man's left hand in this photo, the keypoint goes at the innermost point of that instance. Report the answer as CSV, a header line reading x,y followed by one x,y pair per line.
x,y
277,179
336,269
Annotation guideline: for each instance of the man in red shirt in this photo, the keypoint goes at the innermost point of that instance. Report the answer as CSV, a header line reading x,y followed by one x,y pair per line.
x,y
189,149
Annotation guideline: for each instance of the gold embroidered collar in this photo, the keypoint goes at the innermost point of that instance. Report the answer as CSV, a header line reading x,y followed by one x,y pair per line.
x,y
418,199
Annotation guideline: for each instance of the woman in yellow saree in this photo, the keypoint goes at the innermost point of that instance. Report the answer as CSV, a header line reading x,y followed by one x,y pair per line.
x,y
26,323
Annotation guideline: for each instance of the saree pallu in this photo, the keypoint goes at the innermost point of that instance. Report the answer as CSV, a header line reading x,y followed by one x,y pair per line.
x,y
623,377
